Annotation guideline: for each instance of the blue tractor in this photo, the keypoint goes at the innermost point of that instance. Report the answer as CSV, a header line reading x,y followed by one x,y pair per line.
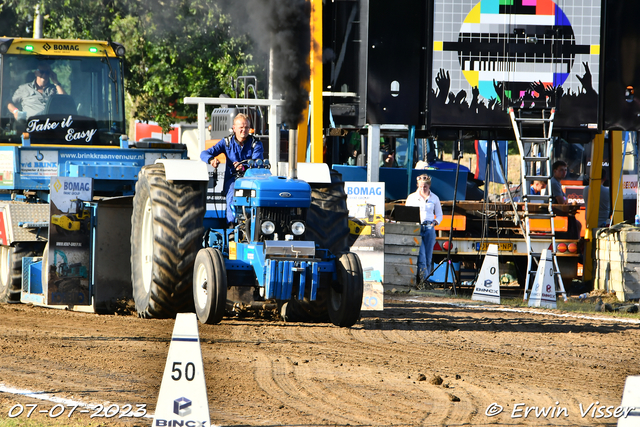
x,y
287,254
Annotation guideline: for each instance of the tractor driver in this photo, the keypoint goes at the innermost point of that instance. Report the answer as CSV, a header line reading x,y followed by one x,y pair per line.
x,y
236,147
32,97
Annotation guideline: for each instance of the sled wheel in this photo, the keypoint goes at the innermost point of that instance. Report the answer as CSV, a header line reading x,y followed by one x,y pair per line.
x,y
167,230
345,295
210,285
11,268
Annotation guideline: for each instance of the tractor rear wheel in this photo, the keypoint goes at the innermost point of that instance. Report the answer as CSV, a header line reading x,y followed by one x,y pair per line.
x,y
167,230
328,216
345,296
210,285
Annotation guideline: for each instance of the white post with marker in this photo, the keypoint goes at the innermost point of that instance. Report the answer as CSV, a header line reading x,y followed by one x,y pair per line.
x,y
631,399
488,283
182,400
543,292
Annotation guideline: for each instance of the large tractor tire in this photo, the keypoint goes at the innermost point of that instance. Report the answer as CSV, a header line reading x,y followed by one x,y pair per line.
x,y
167,230
11,268
328,216
328,226
345,295
210,285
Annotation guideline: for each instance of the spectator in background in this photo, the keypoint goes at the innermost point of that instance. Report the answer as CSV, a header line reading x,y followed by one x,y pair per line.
x,y
430,216
559,171
353,158
537,187
604,207
385,156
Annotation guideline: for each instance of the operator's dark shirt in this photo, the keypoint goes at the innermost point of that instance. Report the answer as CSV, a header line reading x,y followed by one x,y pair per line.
x,y
29,100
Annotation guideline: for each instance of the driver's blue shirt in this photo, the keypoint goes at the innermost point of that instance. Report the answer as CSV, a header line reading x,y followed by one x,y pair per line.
x,y
252,149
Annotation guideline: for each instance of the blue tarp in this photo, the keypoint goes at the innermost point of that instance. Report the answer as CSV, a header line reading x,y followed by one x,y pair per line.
x,y
495,174
395,179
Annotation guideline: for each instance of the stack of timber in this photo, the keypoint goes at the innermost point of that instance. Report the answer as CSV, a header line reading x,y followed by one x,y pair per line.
x,y
401,245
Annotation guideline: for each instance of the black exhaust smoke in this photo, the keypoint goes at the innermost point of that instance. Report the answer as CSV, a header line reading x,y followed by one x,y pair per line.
x,y
284,26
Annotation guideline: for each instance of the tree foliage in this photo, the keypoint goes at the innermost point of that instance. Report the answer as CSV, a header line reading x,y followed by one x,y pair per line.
x,y
175,48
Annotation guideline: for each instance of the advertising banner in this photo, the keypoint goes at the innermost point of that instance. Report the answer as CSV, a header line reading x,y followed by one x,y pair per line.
x,y
68,267
365,201
490,54
6,168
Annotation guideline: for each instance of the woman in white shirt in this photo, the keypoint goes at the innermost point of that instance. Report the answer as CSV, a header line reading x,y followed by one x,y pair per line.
x,y
430,216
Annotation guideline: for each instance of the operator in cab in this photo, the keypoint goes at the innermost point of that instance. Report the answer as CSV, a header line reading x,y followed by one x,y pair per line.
x,y
236,147
31,98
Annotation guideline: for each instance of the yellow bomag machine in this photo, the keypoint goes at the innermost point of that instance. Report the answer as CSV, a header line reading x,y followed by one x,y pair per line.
x,y
367,222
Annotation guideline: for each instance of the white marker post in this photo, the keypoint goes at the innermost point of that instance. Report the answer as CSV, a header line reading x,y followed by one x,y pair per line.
x,y
182,400
488,282
631,399
543,292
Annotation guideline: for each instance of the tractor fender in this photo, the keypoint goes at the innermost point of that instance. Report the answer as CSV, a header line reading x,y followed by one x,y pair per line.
x,y
314,173
184,170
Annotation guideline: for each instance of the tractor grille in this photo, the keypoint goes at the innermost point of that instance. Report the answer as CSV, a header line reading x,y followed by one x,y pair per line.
x,y
281,217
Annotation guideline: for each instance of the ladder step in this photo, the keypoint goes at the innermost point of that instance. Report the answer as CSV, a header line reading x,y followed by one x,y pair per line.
x,y
533,121
535,139
546,236
535,159
540,216
538,255
537,177
544,197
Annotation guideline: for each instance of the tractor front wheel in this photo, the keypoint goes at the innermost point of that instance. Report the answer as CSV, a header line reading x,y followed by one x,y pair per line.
x,y
210,285
345,295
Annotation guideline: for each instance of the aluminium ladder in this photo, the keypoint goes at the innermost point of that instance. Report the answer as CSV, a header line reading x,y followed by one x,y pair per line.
x,y
533,129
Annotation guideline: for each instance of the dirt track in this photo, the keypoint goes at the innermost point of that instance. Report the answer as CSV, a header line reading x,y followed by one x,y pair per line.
x,y
379,372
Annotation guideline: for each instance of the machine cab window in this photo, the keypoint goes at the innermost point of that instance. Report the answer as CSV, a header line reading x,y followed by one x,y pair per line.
x,y
68,93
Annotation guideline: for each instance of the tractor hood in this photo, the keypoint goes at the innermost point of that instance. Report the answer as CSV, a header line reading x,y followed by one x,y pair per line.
x,y
261,189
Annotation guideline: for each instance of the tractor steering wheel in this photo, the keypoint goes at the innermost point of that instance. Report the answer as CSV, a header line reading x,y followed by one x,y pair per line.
x,y
239,173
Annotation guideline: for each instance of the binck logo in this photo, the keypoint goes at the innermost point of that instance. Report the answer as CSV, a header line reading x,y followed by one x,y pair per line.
x,y
488,283
182,406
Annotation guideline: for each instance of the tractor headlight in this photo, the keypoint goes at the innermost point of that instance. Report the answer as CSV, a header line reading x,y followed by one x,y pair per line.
x,y
259,163
252,163
297,228
268,227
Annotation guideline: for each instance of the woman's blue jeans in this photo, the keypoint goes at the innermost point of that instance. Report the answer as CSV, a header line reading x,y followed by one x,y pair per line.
x,y
425,254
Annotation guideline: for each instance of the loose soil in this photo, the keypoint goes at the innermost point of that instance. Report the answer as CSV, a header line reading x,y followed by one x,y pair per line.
x,y
419,362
